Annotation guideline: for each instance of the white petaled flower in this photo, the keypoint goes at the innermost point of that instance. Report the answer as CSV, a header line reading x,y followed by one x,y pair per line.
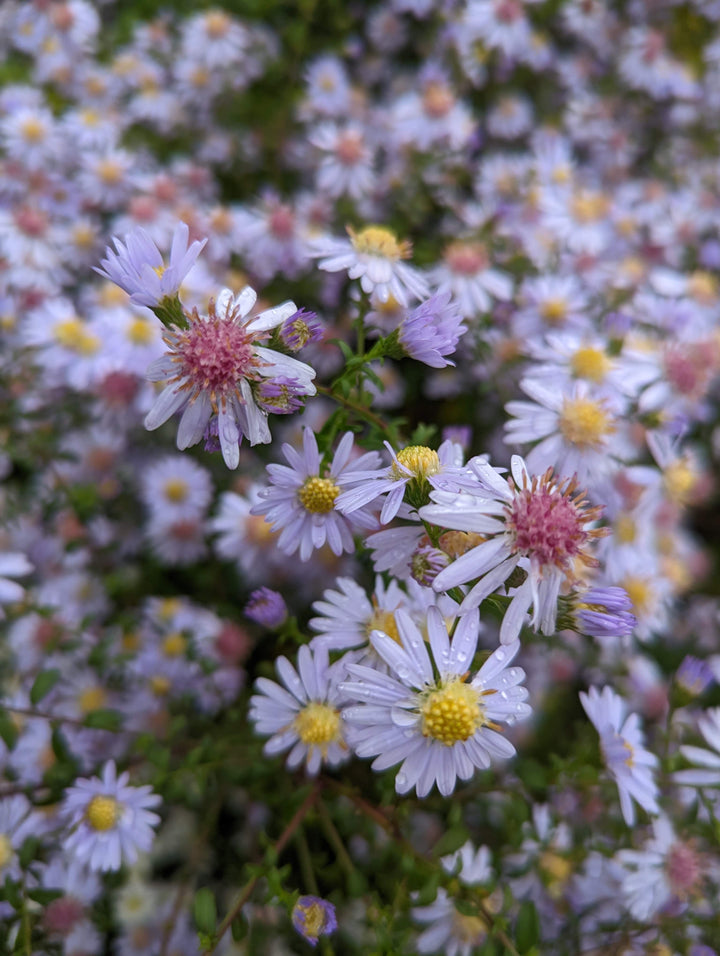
x,y
538,524
709,775
428,713
374,256
301,498
303,716
667,868
448,930
12,565
349,616
621,742
214,368
108,820
139,268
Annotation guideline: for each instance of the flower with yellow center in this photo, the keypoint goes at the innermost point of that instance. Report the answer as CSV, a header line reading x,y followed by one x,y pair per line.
x,y
381,242
174,645
585,422
92,698
591,364
318,725
439,727
318,495
72,334
103,812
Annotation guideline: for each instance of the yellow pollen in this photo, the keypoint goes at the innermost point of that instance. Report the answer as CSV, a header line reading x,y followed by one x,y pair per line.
x,y
318,495
199,77
318,724
6,850
217,23
589,206
168,608
109,171
630,759
452,713
258,530
176,490
83,236
455,543
93,698
174,645
378,241
140,332
383,621
639,591
556,867
624,529
418,459
703,287
314,921
591,364
102,813
72,334
584,422
111,294
437,100
160,685
679,479
554,311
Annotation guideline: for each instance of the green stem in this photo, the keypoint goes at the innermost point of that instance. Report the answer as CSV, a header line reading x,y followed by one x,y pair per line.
x,y
334,839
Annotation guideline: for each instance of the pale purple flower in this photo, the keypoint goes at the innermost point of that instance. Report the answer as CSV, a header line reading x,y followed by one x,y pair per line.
x,y
621,741
266,607
604,612
214,369
12,565
431,331
708,760
138,266
428,713
108,821
313,917
301,499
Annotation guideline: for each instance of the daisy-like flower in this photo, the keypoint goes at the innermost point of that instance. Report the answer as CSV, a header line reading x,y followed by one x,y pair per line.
x,y
621,741
349,616
409,478
708,760
138,267
539,524
108,820
374,256
302,498
303,716
214,368
428,713
313,917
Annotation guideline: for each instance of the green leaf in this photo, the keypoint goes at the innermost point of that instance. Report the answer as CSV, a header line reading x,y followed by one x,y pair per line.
x,y
239,928
204,911
28,851
450,841
527,928
43,684
44,896
103,719
8,730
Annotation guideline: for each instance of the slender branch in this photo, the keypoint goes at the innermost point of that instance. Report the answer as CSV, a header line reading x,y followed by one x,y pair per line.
x,y
282,842
334,839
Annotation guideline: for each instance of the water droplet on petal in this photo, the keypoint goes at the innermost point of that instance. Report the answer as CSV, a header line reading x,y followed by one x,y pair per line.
x,y
500,654
401,780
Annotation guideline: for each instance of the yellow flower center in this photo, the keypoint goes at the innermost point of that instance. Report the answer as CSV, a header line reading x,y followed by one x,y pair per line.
x,y
591,364
455,543
584,422
217,23
554,311
624,529
168,608
174,645
318,495
140,332
383,621
102,813
6,850
176,490
703,287
314,920
679,479
33,130
160,685
317,724
589,206
639,591
469,929
418,459
109,171
72,334
93,698
378,241
452,713
557,868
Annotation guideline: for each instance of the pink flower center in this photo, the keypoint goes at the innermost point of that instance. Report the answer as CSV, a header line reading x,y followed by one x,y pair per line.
x,y
62,914
508,10
31,221
282,222
213,355
683,869
548,525
349,148
466,258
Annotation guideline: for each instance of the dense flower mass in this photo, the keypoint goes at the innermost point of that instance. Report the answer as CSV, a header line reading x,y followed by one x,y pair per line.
x,y
359,442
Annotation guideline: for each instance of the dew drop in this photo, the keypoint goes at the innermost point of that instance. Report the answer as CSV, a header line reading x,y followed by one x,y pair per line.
x,y
510,719
500,654
401,780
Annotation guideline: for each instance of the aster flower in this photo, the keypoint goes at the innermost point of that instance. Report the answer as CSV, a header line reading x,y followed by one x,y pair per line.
x,y
266,607
214,368
708,760
448,930
301,499
374,256
138,267
302,716
431,331
108,820
537,524
313,917
428,713
621,741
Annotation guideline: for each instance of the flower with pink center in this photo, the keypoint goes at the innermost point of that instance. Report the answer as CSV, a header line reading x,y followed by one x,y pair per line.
x,y
466,270
539,525
216,368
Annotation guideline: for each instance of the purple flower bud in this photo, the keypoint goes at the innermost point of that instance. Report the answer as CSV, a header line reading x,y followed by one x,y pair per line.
x,y
694,675
605,612
302,327
266,607
313,917
280,395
